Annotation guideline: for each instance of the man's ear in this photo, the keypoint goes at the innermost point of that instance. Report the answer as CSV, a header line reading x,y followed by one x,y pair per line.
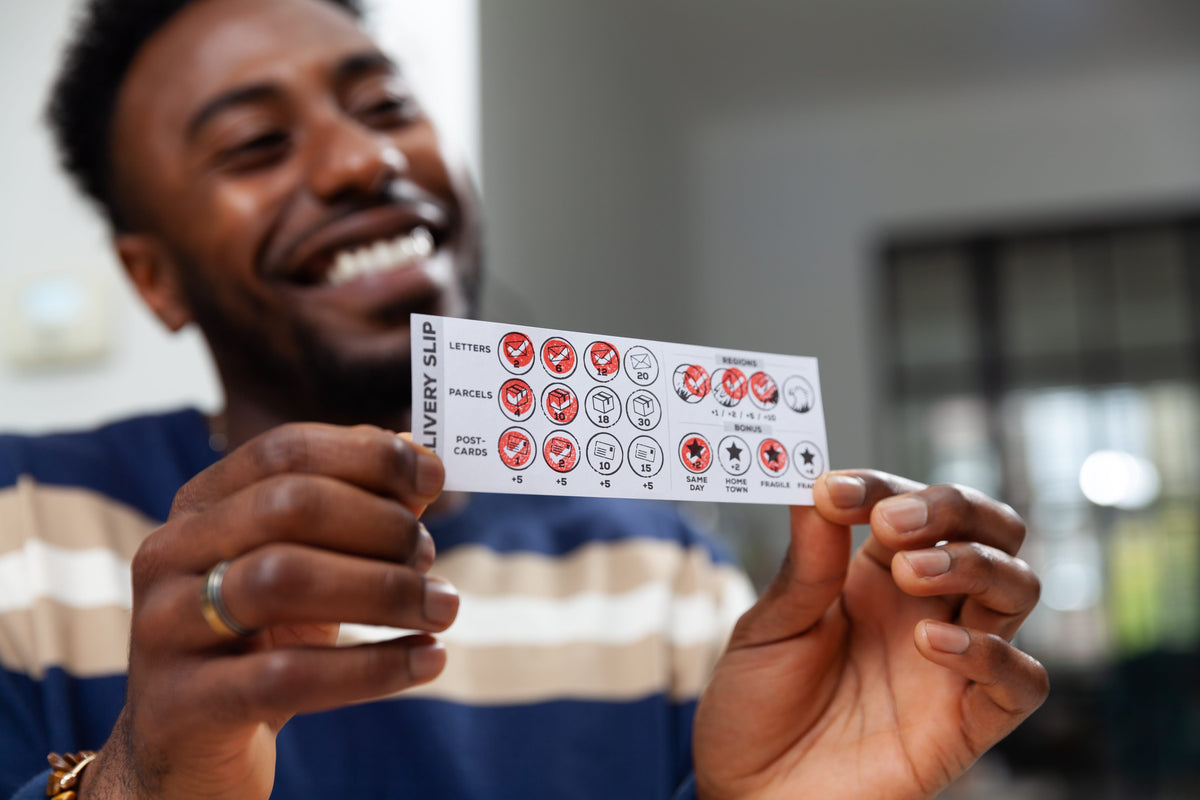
x,y
155,275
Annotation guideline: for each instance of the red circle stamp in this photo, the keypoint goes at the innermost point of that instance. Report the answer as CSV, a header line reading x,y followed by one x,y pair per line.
x,y
516,448
516,352
561,451
772,456
560,403
558,357
691,382
516,399
695,453
729,386
764,392
603,361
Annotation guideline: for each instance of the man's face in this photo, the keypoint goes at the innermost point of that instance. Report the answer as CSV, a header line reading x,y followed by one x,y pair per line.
x,y
301,193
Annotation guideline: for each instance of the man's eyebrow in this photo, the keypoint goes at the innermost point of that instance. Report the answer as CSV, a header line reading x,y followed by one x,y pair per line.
x,y
359,63
244,94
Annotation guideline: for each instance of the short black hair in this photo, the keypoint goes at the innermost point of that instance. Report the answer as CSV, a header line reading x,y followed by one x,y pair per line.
x,y
107,36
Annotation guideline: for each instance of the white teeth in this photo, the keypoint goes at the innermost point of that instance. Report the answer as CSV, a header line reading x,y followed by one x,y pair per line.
x,y
380,256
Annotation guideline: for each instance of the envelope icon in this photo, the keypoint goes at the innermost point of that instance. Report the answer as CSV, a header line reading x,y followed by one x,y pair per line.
x,y
604,450
558,351
639,361
602,356
514,351
514,443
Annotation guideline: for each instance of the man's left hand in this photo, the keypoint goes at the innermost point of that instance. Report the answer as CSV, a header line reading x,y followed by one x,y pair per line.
x,y
883,675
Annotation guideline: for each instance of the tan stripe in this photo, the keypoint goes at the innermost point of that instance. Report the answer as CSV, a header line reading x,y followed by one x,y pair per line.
x,y
69,517
505,675
610,568
84,642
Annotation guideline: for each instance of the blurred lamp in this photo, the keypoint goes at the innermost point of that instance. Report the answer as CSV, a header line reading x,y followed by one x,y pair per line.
x,y
1119,479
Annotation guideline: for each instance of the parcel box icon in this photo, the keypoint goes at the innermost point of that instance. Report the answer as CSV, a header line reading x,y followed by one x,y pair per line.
x,y
642,406
603,402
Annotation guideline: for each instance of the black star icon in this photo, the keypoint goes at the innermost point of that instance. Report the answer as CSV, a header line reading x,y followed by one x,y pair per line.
x,y
773,454
735,452
695,449
808,457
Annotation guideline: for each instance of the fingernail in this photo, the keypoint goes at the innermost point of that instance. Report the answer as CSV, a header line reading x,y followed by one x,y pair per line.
x,y
928,563
441,601
947,638
905,514
426,660
430,474
846,491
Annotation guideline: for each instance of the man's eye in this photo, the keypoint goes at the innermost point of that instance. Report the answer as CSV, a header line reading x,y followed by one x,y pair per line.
x,y
391,111
256,152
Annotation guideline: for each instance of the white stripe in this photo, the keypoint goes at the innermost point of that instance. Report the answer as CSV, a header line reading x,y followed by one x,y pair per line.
x,y
684,620
78,578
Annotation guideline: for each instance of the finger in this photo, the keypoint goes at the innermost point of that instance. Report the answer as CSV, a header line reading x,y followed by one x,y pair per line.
x,y
306,509
294,585
847,496
372,458
1007,684
945,513
278,683
289,584
807,583
422,450
1001,590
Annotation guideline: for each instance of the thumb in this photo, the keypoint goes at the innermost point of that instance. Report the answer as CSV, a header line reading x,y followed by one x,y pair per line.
x,y
810,579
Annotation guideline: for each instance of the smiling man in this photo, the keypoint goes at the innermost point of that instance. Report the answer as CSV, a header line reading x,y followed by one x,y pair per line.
x,y
269,177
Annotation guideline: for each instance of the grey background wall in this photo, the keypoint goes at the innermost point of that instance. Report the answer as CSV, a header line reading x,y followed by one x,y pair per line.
x,y
721,172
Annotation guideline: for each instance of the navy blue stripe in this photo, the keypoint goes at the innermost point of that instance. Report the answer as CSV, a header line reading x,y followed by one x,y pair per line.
x,y
140,462
401,748
555,526
59,713
426,748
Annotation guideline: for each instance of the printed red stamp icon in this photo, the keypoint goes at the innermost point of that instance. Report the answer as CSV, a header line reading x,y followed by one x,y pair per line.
x,y
772,456
691,382
764,392
695,453
561,451
516,448
603,361
516,399
729,386
560,403
558,357
516,352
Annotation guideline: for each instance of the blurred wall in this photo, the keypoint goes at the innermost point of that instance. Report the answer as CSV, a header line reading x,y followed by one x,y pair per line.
x,y
46,227
719,172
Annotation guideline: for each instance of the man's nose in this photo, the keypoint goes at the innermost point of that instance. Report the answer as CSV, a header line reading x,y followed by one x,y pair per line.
x,y
351,159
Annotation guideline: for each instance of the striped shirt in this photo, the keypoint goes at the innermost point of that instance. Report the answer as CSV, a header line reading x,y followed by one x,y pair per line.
x,y
586,630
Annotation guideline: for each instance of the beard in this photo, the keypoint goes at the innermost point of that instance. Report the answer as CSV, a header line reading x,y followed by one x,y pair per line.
x,y
294,371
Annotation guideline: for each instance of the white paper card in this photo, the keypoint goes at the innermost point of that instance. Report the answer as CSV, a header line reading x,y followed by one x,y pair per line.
x,y
512,408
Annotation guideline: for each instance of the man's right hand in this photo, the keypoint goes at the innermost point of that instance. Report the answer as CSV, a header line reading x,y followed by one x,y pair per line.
x,y
319,524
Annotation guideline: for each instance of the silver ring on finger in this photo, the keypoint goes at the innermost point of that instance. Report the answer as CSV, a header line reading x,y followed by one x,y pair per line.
x,y
212,606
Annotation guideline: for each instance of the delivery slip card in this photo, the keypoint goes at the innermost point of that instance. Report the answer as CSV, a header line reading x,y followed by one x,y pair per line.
x,y
514,408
